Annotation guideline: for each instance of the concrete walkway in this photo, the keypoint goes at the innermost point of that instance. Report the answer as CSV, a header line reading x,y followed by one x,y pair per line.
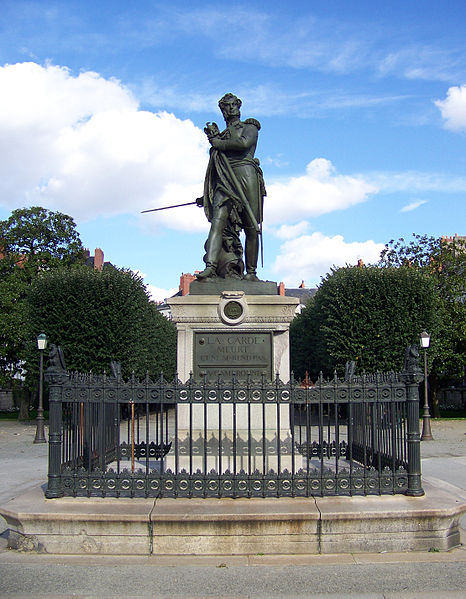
x,y
367,576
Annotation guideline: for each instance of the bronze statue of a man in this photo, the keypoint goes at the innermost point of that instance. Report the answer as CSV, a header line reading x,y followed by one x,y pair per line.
x,y
233,197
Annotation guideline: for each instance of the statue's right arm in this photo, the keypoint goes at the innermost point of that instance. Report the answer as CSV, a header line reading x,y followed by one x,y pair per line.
x,y
244,141
211,130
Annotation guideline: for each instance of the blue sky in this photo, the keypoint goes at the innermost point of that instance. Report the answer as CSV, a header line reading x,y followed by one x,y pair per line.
x,y
362,107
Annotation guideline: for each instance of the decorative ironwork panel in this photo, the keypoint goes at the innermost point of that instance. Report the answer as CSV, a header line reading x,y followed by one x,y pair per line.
x,y
238,438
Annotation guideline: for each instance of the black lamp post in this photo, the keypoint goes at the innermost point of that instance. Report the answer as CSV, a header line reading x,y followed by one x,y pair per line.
x,y
40,433
426,432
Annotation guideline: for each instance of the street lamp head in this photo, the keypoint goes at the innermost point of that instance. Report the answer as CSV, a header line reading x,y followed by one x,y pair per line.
x,y
425,340
41,341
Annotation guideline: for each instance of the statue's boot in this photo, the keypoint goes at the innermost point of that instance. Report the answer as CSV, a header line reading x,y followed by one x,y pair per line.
x,y
251,252
209,272
213,247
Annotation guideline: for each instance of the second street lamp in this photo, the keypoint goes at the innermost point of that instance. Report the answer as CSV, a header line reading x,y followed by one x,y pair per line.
x,y
426,432
40,433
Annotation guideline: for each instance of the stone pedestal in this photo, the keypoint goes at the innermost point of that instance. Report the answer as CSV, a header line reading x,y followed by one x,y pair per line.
x,y
233,334
237,325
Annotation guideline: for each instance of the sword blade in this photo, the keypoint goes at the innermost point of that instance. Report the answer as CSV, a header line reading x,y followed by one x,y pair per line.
x,y
169,207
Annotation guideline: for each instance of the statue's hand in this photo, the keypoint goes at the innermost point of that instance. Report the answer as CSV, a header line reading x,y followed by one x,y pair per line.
x,y
211,130
200,202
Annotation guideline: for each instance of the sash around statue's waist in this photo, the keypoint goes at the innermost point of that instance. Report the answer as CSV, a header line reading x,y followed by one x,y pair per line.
x,y
239,162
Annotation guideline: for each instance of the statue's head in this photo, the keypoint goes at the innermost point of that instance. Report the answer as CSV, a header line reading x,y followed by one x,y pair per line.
x,y
229,105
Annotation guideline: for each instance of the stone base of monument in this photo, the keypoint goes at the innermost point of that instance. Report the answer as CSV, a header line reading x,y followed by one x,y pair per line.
x,y
231,334
224,335
226,527
253,429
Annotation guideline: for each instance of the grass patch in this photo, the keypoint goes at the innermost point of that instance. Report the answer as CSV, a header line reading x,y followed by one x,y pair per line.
x,y
10,415
452,414
13,415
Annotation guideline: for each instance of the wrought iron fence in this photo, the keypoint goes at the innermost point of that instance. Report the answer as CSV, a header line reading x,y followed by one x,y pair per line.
x,y
144,438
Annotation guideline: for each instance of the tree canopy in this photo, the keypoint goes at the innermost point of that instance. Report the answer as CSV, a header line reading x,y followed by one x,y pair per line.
x,y
443,260
13,287
95,316
40,238
366,314
98,317
31,240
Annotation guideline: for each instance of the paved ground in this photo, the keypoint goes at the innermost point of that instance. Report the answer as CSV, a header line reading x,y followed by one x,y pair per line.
x,y
364,576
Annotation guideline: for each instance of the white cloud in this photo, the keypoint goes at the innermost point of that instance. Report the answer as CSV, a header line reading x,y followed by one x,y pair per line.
x,y
322,44
453,108
416,181
413,205
79,144
310,257
425,62
175,97
256,98
317,192
292,231
158,294
190,218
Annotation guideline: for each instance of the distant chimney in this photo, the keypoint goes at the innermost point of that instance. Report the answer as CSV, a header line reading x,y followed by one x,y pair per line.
x,y
98,259
185,281
281,288
21,261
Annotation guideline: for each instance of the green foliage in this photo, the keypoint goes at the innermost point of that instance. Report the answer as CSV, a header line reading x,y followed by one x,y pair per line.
x,y
422,252
31,240
44,238
364,314
444,261
13,287
100,316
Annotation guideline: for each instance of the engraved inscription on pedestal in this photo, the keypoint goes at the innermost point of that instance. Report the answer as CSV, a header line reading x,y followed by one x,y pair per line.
x,y
228,353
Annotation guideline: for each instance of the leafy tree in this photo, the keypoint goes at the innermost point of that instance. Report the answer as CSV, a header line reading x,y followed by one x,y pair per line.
x,y
38,238
443,260
13,286
31,240
98,317
366,314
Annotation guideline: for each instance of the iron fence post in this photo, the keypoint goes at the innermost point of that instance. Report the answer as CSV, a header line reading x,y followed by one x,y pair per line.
x,y
412,376
54,489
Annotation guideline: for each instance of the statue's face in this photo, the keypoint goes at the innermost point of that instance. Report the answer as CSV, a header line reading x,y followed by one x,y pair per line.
x,y
230,108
